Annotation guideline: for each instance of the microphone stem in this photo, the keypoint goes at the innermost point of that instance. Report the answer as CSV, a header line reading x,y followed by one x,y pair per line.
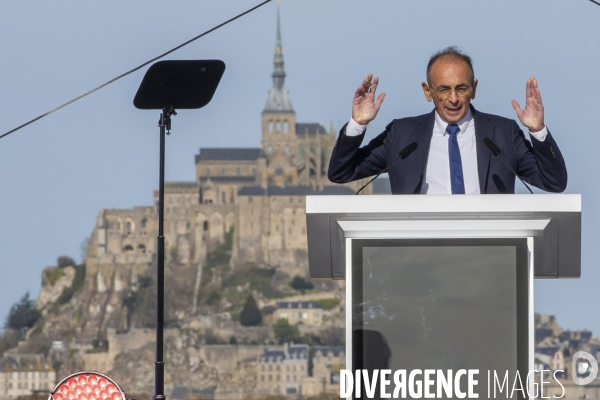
x,y
377,176
514,172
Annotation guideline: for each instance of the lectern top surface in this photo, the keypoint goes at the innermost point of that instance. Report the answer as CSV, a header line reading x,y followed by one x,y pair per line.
x,y
443,203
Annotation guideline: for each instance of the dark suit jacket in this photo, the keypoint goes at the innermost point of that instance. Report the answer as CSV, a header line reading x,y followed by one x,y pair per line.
x,y
539,163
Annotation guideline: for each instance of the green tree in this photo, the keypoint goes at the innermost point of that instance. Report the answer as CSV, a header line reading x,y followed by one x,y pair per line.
x,y
284,332
213,298
173,253
301,284
212,338
22,315
57,365
250,315
332,336
141,303
65,261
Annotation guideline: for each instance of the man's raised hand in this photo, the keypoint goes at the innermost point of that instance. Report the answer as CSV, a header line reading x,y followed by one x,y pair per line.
x,y
364,105
533,114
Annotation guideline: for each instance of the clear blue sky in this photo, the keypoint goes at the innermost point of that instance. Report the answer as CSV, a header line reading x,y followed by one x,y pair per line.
x,y
102,153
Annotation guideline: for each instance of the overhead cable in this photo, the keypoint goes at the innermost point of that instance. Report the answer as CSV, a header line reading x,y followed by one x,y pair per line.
x,y
136,68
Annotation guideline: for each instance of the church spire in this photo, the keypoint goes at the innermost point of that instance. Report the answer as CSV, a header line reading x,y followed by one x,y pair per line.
x,y
278,71
279,99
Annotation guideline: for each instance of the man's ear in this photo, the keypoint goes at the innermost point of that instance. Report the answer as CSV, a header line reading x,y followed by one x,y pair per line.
x,y
426,91
474,89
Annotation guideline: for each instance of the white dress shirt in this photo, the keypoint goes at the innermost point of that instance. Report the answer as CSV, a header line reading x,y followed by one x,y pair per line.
x,y
437,175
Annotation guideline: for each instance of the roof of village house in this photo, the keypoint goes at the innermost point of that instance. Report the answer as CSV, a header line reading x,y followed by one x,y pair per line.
x,y
293,191
295,352
549,351
270,355
576,336
585,335
234,178
334,350
298,304
24,362
181,392
229,154
542,333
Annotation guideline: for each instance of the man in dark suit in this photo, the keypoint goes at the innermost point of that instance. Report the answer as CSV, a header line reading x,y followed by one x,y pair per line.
x,y
451,156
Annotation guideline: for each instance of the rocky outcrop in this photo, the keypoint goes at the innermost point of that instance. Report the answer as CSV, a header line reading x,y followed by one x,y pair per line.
x,y
188,363
54,281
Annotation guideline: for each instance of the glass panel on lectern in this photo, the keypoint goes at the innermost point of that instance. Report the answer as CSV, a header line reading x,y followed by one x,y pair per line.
x,y
440,304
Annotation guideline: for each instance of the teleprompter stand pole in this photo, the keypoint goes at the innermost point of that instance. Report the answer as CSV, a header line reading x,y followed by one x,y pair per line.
x,y
159,365
170,85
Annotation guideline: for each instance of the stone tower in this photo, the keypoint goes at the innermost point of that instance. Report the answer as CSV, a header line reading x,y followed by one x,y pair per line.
x,y
279,140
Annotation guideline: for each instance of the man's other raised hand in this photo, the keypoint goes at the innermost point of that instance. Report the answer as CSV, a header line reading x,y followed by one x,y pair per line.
x,y
364,105
533,114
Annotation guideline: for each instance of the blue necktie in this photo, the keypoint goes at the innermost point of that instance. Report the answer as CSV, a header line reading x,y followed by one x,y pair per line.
x,y
456,172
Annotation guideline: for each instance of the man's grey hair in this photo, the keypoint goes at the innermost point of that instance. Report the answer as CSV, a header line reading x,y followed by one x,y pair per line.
x,y
453,53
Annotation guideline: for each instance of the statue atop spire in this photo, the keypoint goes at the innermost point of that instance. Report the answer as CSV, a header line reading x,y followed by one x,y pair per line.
x,y
279,100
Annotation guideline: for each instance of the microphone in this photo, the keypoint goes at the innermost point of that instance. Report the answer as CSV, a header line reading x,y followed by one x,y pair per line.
x,y
496,151
405,152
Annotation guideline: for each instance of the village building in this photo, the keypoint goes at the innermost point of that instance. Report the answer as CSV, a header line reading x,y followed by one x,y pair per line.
x,y
306,312
24,374
281,370
327,363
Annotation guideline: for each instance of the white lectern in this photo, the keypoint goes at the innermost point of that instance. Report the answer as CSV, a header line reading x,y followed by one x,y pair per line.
x,y
442,282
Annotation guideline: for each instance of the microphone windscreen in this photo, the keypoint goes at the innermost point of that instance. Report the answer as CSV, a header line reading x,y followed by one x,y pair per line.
x,y
405,152
492,146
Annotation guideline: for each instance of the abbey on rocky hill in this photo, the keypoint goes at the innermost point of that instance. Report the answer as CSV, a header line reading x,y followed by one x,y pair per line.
x,y
259,193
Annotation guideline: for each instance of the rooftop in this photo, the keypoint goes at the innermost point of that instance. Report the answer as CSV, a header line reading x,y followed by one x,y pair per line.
x,y
335,351
234,178
293,191
229,154
310,129
24,362
279,100
298,304
294,352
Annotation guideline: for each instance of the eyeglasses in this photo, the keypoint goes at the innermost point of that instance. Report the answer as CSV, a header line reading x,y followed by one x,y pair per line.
x,y
461,91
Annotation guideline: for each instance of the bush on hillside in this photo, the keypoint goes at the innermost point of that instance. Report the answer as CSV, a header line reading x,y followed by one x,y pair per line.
x,y
328,304
284,332
54,274
301,284
65,261
141,303
250,315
